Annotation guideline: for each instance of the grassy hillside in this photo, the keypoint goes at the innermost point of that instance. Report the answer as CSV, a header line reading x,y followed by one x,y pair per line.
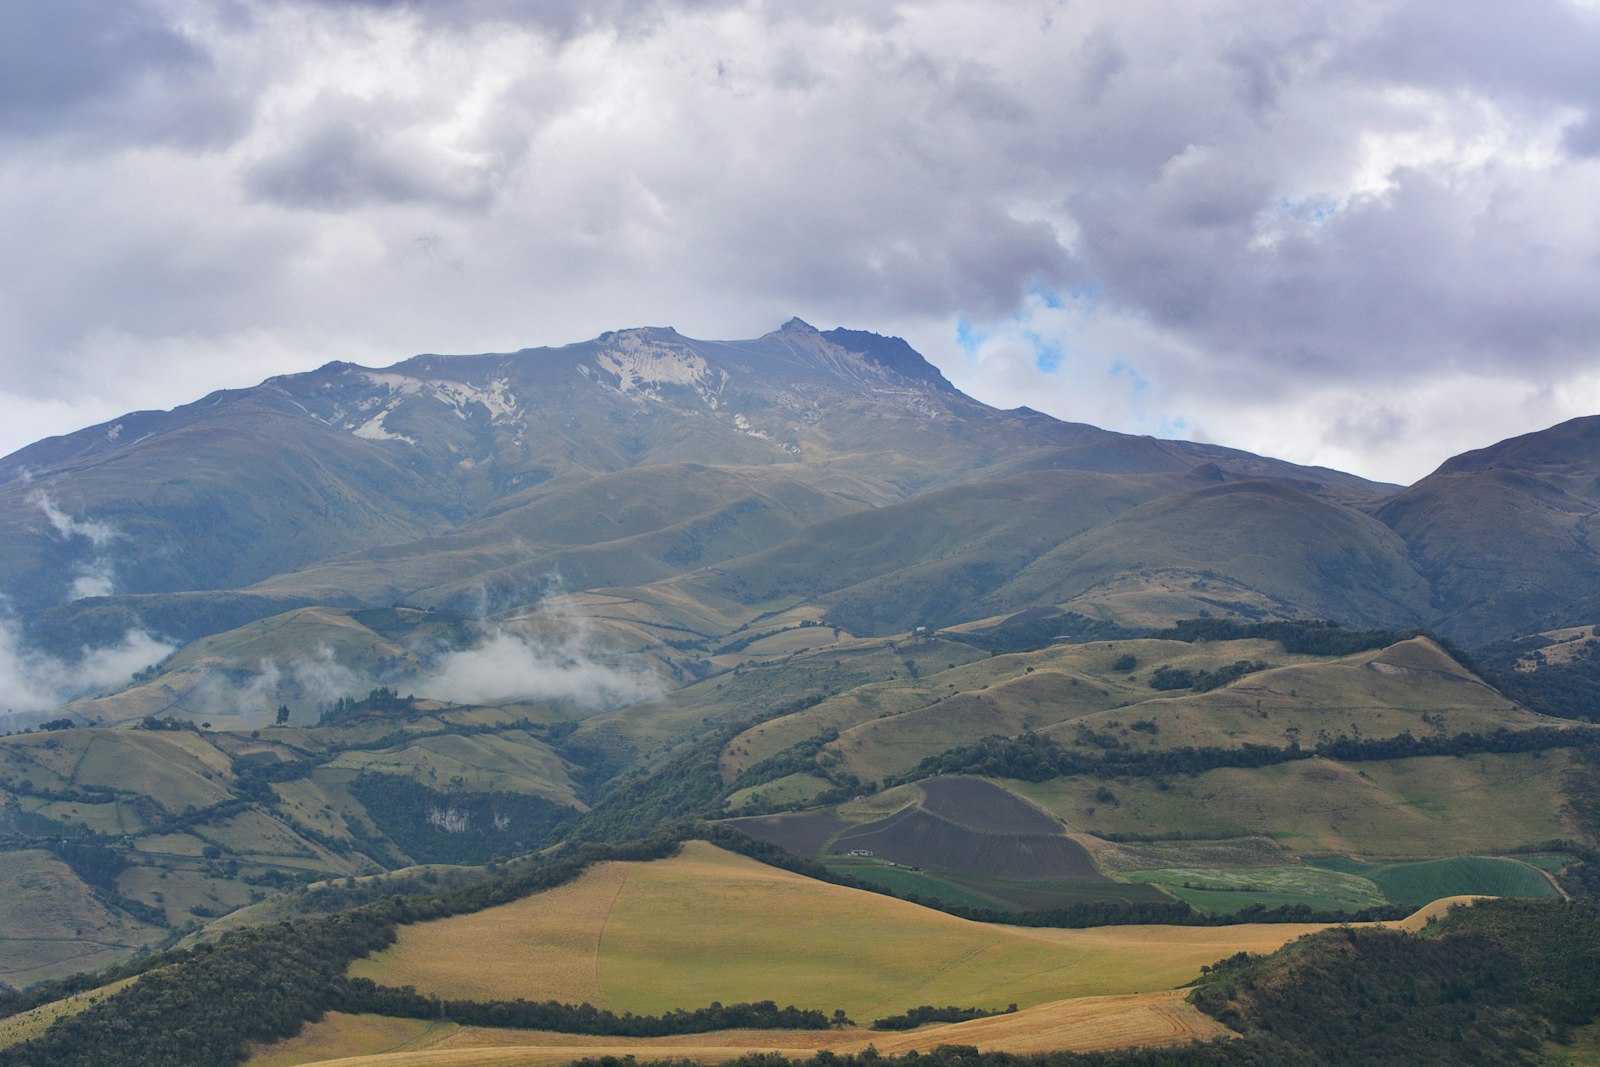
x,y
1344,565
1435,806
633,936
117,839
1499,533
1084,1024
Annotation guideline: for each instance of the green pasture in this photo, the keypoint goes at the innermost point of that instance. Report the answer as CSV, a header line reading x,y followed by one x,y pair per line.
x,y
1227,890
1426,881
1428,807
781,792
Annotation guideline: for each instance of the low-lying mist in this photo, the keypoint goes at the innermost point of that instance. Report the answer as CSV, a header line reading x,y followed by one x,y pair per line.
x,y
513,666
33,681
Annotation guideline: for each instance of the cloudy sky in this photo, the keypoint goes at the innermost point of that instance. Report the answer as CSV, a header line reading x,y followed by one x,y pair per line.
x,y
1362,234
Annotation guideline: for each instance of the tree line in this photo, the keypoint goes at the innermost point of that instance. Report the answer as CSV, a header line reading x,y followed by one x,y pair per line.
x,y
362,995
1036,758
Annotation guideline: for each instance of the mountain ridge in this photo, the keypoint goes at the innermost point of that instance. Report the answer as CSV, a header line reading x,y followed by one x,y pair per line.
x,y
756,473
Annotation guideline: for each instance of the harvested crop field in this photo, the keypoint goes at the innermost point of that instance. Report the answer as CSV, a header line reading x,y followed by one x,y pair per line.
x,y
708,926
921,838
985,807
1084,1025
803,833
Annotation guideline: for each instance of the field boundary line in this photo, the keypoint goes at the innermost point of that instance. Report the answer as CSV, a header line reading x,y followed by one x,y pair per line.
x,y
605,920
952,965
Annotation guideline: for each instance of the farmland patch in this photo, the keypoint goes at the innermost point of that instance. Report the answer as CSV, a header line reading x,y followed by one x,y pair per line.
x,y
920,838
1428,880
635,937
803,833
1227,890
984,807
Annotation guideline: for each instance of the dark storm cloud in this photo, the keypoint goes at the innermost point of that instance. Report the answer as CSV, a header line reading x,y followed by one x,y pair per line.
x,y
106,71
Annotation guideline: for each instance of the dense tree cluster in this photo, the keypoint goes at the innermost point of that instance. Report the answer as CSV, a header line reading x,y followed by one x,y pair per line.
x,y
1496,979
1036,758
927,1013
1168,677
364,996
381,702
1319,637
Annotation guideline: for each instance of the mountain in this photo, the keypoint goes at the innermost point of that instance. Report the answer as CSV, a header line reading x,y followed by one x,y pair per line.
x,y
448,630
1504,534
477,483
707,485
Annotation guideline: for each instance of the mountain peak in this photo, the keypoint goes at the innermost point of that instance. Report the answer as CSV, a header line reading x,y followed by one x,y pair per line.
x,y
892,353
797,325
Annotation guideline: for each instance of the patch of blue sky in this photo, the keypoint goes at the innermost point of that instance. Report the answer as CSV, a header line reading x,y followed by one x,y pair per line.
x,y
1047,355
1121,368
969,337
1047,297
1313,211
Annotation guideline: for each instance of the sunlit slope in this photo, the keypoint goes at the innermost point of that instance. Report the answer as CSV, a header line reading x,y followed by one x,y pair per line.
x,y
1427,807
708,925
1081,1025
1078,696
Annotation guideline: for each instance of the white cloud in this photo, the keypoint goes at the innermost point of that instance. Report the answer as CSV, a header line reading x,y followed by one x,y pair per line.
x,y
33,681
513,666
1260,202
95,576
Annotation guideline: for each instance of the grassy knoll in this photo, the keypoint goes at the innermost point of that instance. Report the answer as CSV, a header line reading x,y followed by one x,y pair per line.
x,y
1430,806
1084,1024
29,1024
1226,890
634,937
180,768
790,789
1418,883
339,1035
937,682
648,729
1411,686
1087,697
